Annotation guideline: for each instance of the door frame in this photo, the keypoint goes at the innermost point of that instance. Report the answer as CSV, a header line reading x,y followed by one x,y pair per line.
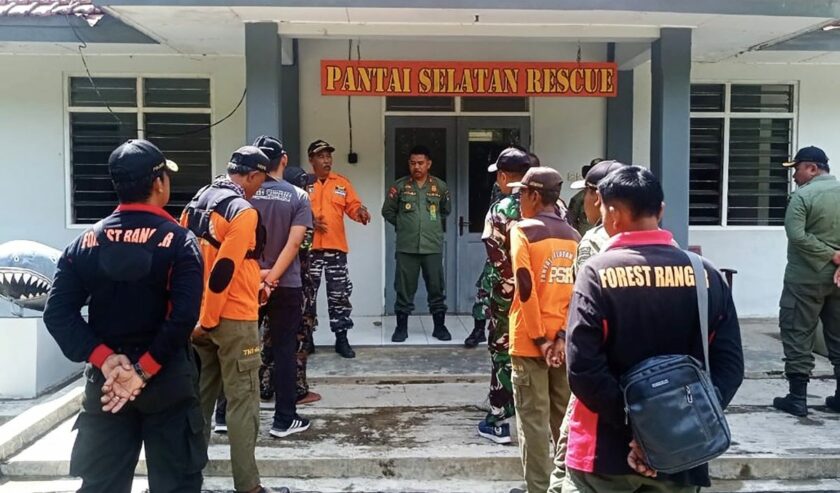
x,y
450,239
465,123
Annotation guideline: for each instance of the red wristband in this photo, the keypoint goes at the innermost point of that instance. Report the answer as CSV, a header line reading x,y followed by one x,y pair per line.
x,y
99,355
149,365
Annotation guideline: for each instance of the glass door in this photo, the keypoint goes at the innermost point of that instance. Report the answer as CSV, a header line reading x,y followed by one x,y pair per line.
x,y
480,140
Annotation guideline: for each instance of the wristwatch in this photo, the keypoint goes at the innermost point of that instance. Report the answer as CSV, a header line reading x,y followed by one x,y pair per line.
x,y
140,372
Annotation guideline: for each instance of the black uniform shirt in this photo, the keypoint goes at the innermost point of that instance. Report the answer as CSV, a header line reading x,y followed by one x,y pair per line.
x,y
633,301
142,274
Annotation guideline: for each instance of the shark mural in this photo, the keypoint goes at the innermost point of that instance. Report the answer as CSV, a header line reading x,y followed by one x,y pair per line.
x,y
27,269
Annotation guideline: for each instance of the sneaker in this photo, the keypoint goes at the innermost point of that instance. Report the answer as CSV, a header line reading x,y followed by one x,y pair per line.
x,y
309,398
298,425
220,428
498,433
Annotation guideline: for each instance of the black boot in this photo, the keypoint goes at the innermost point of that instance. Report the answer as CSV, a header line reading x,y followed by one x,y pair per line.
x,y
833,401
342,346
440,332
477,335
401,332
795,402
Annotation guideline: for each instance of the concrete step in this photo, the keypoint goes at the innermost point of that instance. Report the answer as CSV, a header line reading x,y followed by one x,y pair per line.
x,y
367,485
426,432
389,365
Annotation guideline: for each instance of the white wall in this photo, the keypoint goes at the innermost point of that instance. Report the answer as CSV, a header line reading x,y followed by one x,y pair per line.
x,y
566,133
33,198
759,254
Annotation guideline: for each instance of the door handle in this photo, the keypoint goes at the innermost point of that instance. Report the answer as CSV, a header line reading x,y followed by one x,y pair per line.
x,y
461,224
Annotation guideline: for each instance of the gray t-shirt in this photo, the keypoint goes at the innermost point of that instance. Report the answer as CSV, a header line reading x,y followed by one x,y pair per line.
x,y
281,206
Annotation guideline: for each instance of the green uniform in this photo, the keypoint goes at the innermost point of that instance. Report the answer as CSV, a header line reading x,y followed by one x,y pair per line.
x,y
503,215
590,245
577,214
418,214
812,224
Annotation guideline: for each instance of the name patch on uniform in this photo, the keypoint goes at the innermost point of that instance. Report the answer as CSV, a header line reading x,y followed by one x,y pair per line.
x,y
342,191
551,273
269,194
646,276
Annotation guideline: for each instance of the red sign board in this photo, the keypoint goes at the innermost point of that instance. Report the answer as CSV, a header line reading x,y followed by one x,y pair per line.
x,y
443,78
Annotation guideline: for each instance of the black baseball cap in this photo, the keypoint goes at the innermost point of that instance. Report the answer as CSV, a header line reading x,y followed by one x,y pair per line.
x,y
136,159
250,157
597,173
513,160
318,146
298,177
540,178
271,147
808,154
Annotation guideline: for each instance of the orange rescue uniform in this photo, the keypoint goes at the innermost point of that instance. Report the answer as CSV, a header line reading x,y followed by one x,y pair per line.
x,y
543,252
231,281
331,200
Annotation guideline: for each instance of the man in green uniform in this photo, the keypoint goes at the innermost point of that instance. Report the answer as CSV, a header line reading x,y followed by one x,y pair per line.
x,y
481,307
417,206
591,244
578,217
810,292
510,167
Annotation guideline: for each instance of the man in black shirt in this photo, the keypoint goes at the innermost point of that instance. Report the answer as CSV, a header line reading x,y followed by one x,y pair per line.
x,y
634,300
142,273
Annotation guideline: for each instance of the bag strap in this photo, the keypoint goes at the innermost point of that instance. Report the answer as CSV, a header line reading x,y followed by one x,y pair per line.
x,y
702,301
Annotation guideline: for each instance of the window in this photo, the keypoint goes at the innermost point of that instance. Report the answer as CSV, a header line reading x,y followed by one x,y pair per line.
x,y
172,113
740,135
460,104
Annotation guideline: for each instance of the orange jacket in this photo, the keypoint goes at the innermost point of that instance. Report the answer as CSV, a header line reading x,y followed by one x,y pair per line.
x,y
543,252
331,200
231,281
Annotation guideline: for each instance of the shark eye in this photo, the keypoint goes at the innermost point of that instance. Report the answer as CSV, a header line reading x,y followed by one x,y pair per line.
x,y
16,258
54,259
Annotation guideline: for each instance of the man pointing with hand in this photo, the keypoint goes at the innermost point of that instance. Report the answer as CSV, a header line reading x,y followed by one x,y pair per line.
x,y
333,197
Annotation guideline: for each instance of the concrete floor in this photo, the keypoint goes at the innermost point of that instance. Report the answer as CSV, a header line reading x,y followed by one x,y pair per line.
x,y
402,419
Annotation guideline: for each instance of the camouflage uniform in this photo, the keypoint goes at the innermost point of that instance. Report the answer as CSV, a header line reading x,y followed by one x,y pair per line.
x,y
481,307
304,335
307,324
339,286
500,219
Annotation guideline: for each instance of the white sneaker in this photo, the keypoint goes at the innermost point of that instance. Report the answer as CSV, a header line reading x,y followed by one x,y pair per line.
x,y
298,425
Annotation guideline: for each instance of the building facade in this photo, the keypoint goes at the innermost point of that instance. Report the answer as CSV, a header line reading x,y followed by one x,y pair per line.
x,y
712,97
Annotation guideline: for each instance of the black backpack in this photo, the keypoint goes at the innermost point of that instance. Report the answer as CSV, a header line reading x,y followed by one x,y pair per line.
x,y
217,199
672,406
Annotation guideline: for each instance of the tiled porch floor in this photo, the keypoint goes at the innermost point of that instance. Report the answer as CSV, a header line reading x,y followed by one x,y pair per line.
x,y
376,331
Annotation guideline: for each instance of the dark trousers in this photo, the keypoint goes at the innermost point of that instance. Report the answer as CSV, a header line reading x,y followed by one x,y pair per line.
x,y
283,312
800,308
166,418
408,268
339,287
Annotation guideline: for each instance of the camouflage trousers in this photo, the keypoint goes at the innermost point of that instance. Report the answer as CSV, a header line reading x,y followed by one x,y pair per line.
x,y
481,307
304,339
501,384
334,264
